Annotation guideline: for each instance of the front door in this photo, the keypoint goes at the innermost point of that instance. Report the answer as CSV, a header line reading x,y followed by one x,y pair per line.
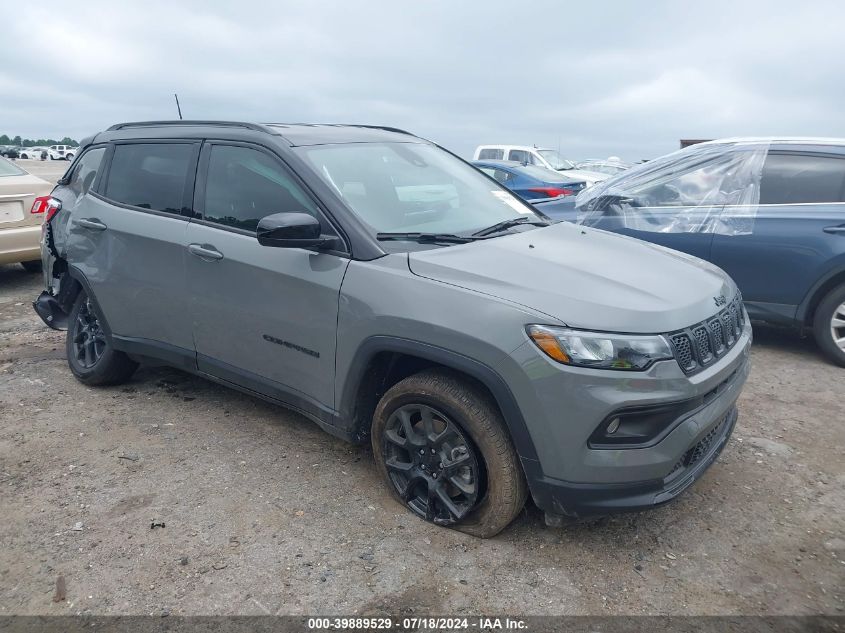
x,y
263,317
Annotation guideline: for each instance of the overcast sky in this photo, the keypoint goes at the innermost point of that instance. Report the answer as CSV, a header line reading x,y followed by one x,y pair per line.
x,y
593,78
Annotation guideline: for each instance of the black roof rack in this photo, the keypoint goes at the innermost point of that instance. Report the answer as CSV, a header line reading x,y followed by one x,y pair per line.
x,y
248,126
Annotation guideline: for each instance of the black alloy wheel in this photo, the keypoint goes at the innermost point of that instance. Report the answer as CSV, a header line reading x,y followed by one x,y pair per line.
x,y
89,340
432,464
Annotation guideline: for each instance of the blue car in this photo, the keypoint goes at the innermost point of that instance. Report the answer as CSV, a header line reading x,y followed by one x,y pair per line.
x,y
771,213
528,181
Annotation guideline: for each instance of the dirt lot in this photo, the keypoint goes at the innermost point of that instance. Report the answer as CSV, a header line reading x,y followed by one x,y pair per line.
x,y
264,513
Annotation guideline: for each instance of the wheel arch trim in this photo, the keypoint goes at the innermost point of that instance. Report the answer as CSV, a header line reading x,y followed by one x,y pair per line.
x,y
477,370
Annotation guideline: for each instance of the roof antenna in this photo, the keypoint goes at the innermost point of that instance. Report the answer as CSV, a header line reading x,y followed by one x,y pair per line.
x,y
177,105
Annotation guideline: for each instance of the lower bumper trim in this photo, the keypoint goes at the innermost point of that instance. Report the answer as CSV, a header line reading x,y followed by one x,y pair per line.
x,y
563,501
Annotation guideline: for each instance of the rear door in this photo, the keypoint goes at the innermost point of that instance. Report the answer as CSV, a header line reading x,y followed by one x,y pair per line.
x,y
263,317
128,238
797,232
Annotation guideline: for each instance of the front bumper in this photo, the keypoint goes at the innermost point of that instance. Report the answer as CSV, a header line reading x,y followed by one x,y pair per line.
x,y
563,500
563,406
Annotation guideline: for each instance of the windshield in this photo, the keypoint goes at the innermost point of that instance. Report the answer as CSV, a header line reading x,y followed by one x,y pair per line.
x,y
413,187
8,169
556,160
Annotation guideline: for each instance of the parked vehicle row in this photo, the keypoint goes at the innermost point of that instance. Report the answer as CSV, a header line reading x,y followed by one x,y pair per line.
x,y
54,152
394,294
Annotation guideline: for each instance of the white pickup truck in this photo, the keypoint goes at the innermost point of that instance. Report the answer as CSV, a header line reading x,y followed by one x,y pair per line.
x,y
61,152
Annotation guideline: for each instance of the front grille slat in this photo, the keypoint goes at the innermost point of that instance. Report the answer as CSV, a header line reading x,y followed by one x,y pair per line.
x,y
702,343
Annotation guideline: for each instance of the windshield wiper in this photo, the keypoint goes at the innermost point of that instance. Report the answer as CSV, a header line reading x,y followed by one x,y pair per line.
x,y
446,238
506,224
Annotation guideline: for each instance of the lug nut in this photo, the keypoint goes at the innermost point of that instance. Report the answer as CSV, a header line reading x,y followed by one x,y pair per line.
x,y
440,465
434,475
433,451
422,452
422,466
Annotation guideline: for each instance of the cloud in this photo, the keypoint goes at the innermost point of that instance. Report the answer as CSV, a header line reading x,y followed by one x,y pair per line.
x,y
594,79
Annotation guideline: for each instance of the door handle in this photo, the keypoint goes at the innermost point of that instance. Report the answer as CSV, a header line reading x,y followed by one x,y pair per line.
x,y
205,252
91,223
834,229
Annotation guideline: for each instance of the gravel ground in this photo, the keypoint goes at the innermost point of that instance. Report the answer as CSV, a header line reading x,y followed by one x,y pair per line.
x,y
264,513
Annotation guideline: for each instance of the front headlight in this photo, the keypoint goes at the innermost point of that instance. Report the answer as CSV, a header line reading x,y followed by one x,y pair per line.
x,y
600,350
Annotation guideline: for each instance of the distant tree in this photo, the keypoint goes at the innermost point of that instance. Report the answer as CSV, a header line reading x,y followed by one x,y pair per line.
x,y
68,141
5,140
28,142
16,140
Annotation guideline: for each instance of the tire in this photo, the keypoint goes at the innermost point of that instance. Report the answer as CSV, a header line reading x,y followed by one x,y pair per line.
x,y
90,355
829,325
476,453
32,267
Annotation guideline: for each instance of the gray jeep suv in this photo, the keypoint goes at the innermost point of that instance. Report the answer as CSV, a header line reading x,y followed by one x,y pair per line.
x,y
392,293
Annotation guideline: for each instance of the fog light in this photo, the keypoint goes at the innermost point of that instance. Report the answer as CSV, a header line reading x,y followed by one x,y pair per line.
x,y
613,426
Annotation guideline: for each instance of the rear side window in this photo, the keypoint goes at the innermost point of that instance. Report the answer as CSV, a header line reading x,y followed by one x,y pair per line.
x,y
499,174
796,178
519,155
491,154
85,171
150,175
245,185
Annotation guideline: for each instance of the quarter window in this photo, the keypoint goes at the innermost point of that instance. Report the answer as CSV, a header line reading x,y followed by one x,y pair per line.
x,y
796,178
85,171
150,175
244,185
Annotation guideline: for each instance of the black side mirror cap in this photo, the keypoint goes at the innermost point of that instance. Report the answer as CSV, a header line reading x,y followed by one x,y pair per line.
x,y
291,230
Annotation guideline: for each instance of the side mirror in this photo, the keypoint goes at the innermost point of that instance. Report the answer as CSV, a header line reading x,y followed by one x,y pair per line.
x,y
290,230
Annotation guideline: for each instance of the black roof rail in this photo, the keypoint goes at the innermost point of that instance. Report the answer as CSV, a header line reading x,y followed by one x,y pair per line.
x,y
371,127
386,128
249,126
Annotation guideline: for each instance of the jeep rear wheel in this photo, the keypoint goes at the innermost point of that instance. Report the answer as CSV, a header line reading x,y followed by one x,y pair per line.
x,y
829,325
441,446
90,354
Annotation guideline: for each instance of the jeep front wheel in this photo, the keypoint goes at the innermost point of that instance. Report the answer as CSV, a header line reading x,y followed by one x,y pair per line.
x,y
441,446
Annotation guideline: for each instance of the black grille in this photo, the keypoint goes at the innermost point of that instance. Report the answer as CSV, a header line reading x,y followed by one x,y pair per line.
x,y
718,335
683,352
701,344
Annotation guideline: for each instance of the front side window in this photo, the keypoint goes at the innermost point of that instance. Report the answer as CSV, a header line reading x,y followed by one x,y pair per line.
x,y
85,171
150,175
802,178
406,187
519,155
245,185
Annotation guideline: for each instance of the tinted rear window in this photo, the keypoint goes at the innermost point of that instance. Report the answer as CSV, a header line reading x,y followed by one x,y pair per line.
x,y
150,175
795,178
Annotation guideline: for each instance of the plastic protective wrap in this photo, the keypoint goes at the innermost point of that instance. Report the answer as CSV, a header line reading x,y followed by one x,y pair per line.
x,y
707,188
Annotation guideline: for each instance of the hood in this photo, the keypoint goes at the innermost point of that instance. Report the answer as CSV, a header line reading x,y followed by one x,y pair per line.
x,y
586,278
